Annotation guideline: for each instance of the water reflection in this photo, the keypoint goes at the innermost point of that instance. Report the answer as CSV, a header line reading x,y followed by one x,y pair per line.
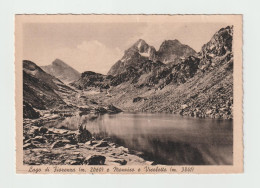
x,y
164,138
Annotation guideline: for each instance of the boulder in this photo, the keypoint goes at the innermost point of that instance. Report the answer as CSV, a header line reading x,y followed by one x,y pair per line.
x,y
95,160
208,112
184,106
112,109
149,162
29,146
101,110
75,160
84,135
59,143
108,139
102,144
121,161
84,109
34,130
69,146
72,138
126,150
26,141
137,99
39,139
43,130
91,143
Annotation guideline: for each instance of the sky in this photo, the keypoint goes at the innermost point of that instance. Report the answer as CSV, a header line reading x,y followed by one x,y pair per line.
x,y
97,46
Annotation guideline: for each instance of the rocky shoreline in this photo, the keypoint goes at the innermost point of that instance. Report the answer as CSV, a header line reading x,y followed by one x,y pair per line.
x,y
59,146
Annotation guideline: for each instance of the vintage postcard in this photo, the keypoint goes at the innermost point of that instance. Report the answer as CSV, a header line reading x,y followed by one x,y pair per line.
x,y
128,94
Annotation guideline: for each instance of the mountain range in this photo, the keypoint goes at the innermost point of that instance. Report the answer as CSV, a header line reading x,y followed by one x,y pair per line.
x,y
139,53
174,79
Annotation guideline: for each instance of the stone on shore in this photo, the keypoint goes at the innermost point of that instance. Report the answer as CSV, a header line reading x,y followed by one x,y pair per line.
x,y
95,160
121,161
39,139
43,130
91,143
29,146
102,144
59,143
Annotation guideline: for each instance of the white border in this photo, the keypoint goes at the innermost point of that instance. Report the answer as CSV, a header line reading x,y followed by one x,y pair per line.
x,y
251,65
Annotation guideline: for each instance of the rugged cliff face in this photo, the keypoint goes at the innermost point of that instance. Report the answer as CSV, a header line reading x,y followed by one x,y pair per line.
x,y
171,51
137,55
62,71
199,85
142,65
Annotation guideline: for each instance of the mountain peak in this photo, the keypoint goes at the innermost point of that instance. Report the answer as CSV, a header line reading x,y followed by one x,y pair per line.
x,y
58,62
220,43
171,50
62,71
169,43
29,65
136,56
140,42
139,48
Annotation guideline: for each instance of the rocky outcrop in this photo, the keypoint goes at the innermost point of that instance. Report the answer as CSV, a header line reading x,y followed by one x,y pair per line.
x,y
171,51
138,53
91,79
59,143
62,71
136,74
138,99
111,109
95,160
52,146
29,112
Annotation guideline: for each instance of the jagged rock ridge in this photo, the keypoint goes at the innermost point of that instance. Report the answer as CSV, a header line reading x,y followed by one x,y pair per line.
x,y
200,85
170,51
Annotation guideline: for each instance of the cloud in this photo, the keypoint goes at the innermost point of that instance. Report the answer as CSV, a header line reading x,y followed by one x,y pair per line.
x,y
97,56
93,45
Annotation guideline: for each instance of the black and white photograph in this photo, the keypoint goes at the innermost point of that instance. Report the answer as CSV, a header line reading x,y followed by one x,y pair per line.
x,y
127,91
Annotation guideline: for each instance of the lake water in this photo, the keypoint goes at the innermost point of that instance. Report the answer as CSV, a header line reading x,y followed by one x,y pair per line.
x,y
164,138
